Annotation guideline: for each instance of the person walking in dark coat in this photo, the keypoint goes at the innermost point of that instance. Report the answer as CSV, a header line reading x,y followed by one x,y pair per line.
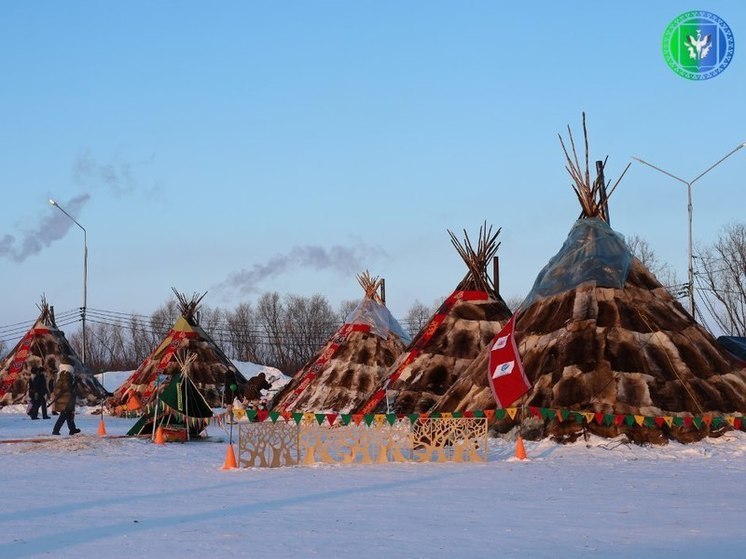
x,y
38,392
65,394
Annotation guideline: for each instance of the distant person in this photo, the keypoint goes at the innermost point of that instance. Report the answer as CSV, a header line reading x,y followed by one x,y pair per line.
x,y
65,394
38,393
254,387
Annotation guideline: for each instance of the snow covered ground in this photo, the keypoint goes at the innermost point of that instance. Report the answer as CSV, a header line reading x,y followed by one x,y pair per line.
x,y
85,496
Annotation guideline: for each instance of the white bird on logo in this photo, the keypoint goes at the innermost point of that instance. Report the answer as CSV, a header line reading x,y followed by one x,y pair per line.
x,y
699,47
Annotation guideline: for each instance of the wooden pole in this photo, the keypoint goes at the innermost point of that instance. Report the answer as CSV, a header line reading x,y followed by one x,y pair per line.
x,y
602,189
496,273
383,290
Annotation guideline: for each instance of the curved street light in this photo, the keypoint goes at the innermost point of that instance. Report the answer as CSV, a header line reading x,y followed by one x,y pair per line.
x,y
690,287
85,271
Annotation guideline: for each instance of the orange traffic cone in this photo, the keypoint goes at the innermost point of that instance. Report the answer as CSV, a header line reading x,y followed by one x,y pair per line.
x,y
230,459
520,450
159,435
101,427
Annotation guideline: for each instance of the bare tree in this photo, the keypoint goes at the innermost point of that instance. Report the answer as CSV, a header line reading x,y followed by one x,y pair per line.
x,y
665,274
243,333
141,342
722,279
270,313
346,307
514,301
417,317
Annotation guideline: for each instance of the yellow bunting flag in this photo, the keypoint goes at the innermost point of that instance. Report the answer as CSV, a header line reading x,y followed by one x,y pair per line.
x,y
239,413
449,415
730,419
380,418
309,417
588,416
640,419
511,412
668,419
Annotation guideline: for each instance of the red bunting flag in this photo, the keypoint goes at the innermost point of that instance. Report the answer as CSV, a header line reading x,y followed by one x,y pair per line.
x,y
505,372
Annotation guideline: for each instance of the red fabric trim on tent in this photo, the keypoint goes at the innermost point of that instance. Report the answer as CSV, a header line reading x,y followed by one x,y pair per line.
x,y
309,373
427,333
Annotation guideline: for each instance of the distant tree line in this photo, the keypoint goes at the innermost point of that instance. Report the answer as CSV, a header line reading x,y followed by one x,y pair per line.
x,y
282,331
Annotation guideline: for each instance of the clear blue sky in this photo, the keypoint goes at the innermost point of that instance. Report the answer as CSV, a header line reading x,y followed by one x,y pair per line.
x,y
198,140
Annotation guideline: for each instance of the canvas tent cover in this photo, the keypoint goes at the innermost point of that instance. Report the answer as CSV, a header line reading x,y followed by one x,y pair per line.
x,y
591,252
735,345
373,314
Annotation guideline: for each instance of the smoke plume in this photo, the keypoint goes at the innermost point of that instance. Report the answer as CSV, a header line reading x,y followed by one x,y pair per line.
x,y
117,176
341,259
53,226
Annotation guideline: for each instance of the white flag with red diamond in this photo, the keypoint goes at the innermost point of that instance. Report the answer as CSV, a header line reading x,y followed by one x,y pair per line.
x,y
505,371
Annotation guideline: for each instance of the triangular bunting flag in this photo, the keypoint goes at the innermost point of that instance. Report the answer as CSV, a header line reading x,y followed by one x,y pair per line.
x,y
731,420
588,416
274,415
357,418
368,418
499,414
319,417
659,421
640,419
346,417
511,412
599,418
297,417
413,417
261,415
391,418
489,414
251,414
331,418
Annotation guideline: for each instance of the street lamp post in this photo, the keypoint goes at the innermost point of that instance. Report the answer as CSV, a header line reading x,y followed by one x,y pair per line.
x,y
85,271
690,286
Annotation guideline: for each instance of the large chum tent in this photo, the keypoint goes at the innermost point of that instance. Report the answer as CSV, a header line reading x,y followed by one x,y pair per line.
x,y
454,336
207,372
45,345
344,372
599,333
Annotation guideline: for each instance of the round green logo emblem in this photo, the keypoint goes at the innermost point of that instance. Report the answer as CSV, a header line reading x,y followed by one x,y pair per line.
x,y
698,45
